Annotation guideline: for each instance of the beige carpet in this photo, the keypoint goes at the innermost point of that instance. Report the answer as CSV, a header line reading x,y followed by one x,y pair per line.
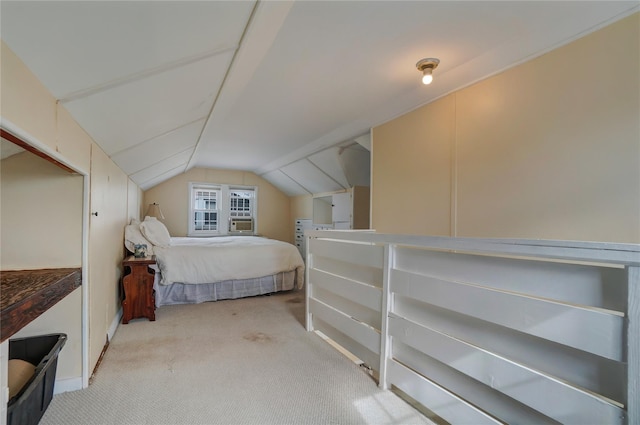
x,y
247,361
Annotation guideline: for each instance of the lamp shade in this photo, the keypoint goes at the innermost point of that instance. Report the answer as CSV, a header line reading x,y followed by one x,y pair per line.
x,y
155,211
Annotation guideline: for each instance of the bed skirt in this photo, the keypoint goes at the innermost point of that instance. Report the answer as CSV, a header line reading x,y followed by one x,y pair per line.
x,y
179,293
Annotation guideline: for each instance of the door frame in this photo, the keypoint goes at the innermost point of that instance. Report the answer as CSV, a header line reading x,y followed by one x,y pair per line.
x,y
47,153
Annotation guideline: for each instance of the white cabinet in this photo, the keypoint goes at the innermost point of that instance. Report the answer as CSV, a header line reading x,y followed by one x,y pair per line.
x,y
342,210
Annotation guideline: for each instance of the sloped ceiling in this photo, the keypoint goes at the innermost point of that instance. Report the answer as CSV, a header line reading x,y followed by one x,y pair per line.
x,y
288,90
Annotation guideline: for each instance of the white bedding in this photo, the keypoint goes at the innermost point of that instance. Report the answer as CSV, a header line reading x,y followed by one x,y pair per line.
x,y
207,260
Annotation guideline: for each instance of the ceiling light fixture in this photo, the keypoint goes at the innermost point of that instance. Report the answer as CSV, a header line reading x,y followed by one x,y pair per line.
x,y
426,66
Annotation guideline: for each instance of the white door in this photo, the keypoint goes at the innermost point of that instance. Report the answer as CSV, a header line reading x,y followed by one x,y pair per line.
x,y
108,199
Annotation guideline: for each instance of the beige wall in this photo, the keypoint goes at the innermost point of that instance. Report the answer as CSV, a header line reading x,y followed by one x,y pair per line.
x,y
411,177
302,206
109,197
274,212
64,317
31,108
25,101
134,201
72,142
34,194
543,150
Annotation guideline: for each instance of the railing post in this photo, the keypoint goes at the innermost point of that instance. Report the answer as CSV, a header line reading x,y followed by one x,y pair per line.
x,y
633,345
307,284
385,339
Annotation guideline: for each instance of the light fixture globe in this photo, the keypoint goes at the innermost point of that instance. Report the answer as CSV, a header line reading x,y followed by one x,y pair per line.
x,y
426,66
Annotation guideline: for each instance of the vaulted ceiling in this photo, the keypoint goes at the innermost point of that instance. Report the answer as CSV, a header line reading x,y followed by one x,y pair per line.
x,y
288,90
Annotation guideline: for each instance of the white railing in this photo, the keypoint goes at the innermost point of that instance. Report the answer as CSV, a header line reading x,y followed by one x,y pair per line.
x,y
486,330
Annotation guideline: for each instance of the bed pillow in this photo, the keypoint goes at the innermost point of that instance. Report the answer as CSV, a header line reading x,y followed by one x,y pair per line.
x,y
133,236
155,231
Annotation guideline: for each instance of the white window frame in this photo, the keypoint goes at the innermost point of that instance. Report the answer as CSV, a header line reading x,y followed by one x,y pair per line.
x,y
193,189
224,208
241,209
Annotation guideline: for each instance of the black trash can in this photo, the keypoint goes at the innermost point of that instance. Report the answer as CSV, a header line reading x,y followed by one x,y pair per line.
x,y
28,405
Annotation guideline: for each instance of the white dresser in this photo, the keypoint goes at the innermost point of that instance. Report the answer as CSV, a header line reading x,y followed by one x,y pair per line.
x,y
301,224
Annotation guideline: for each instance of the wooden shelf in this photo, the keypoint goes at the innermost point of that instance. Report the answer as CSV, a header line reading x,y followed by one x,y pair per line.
x,y
26,294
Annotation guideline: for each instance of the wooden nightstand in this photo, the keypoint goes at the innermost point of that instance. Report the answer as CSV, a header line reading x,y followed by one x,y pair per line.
x,y
137,289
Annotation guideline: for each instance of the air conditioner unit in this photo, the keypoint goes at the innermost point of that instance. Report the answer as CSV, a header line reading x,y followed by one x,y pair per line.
x,y
240,225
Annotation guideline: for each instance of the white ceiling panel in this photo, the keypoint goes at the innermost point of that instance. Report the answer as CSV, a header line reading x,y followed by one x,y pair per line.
x,y
285,183
356,163
155,150
328,161
310,177
349,164
76,45
140,110
161,178
167,164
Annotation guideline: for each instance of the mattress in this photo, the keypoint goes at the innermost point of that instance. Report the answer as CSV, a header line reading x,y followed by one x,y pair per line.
x,y
203,260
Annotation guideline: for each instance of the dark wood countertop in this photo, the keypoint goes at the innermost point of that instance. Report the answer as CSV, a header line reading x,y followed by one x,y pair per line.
x,y
26,294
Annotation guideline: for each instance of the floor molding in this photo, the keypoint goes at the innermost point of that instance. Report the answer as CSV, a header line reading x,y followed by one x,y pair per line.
x,y
110,333
114,325
66,385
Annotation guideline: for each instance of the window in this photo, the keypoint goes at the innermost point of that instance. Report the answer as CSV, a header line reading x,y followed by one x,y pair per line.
x,y
212,206
205,208
241,203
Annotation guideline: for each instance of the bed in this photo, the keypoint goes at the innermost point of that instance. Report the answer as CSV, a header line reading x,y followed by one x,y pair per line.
x,y
196,270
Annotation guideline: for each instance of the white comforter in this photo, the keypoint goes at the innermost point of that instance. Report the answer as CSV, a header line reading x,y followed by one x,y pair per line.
x,y
207,260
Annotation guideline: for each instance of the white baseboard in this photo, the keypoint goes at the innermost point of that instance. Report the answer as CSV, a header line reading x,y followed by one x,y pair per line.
x,y
114,325
66,385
